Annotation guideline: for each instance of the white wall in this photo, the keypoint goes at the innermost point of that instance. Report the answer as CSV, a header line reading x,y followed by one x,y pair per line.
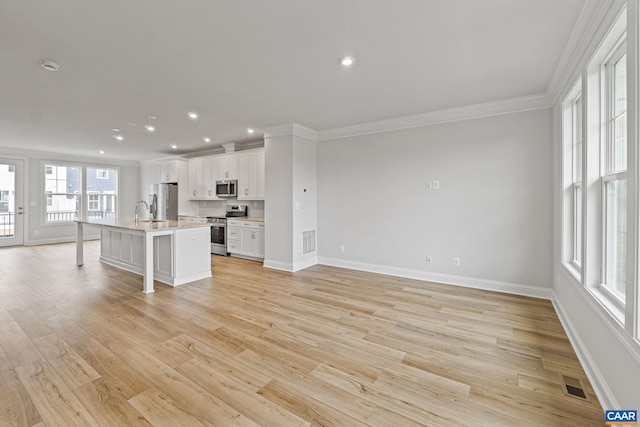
x,y
304,198
493,208
278,211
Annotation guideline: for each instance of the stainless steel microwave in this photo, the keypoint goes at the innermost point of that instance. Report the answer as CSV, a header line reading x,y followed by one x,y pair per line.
x,y
226,188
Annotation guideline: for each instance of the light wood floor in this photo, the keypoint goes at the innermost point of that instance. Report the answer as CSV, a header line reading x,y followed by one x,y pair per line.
x,y
252,346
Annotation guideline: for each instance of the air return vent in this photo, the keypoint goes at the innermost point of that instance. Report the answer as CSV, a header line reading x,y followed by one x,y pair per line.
x,y
308,241
573,387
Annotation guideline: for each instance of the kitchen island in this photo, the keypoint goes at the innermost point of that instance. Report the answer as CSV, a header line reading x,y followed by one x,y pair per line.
x,y
170,252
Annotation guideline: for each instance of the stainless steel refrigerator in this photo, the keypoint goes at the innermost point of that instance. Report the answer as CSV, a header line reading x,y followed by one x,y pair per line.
x,y
163,201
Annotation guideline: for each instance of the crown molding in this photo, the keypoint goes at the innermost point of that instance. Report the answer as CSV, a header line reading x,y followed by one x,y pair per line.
x,y
475,111
594,21
291,129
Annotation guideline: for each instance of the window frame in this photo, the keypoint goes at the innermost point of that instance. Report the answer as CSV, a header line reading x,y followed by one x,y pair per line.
x,y
572,128
609,173
82,195
46,195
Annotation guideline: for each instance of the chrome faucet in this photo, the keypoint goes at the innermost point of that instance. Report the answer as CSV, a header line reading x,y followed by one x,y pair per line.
x,y
137,205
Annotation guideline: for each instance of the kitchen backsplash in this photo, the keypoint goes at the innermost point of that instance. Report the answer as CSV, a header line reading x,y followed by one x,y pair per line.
x,y
218,207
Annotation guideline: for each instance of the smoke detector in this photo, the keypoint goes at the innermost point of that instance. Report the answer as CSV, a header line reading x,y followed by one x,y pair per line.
x,y
49,65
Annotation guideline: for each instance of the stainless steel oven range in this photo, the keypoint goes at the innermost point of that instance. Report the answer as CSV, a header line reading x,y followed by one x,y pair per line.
x,y
219,228
218,235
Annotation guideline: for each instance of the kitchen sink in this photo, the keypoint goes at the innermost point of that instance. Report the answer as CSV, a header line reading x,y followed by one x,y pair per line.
x,y
152,220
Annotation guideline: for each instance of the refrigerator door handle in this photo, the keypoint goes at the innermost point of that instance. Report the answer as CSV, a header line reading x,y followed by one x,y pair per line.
x,y
153,209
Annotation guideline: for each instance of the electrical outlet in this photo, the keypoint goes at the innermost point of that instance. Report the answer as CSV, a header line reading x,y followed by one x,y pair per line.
x,y
456,262
342,248
436,185
429,259
428,185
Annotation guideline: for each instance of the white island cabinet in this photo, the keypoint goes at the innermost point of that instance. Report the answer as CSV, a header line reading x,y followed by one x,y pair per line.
x,y
170,252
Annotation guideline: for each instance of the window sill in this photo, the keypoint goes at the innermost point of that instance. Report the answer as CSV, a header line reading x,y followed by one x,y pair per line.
x,y
603,298
573,270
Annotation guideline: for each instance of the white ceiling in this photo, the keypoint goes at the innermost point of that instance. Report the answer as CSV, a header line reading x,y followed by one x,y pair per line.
x,y
258,63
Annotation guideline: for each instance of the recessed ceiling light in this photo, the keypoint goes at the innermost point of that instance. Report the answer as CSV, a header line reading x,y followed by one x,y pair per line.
x,y
119,137
49,65
206,139
150,128
174,147
132,124
347,61
193,115
115,130
250,130
101,151
152,117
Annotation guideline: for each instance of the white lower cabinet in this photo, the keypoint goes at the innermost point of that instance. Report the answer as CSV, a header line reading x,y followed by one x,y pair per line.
x,y
179,257
245,238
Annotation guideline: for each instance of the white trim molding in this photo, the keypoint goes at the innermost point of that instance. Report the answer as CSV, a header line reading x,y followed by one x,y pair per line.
x,y
468,282
290,129
468,112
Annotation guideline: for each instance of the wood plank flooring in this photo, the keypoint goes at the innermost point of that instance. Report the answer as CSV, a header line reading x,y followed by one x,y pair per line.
x,y
83,346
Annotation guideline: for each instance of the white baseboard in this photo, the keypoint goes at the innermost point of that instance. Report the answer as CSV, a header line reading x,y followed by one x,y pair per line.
x,y
305,264
277,265
290,267
469,282
599,384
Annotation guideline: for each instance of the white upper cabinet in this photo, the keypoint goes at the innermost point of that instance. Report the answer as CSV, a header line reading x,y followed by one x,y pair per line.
x,y
169,171
226,167
251,175
200,179
245,166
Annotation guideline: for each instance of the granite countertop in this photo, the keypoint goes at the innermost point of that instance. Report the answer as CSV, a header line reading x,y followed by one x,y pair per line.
x,y
143,225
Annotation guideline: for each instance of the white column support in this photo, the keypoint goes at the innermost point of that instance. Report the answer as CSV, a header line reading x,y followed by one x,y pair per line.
x,y
79,243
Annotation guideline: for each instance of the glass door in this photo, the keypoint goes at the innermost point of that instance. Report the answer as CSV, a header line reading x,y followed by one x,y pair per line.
x,y
11,203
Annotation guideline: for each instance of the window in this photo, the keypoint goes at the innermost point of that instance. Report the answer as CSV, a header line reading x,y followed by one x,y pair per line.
x,y
614,178
101,187
601,186
4,201
65,186
94,204
576,113
61,187
572,124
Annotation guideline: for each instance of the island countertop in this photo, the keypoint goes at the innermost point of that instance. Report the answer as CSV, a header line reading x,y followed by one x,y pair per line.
x,y
144,225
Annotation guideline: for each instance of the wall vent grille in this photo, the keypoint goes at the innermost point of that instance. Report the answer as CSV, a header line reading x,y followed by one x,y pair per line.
x,y
573,387
308,241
